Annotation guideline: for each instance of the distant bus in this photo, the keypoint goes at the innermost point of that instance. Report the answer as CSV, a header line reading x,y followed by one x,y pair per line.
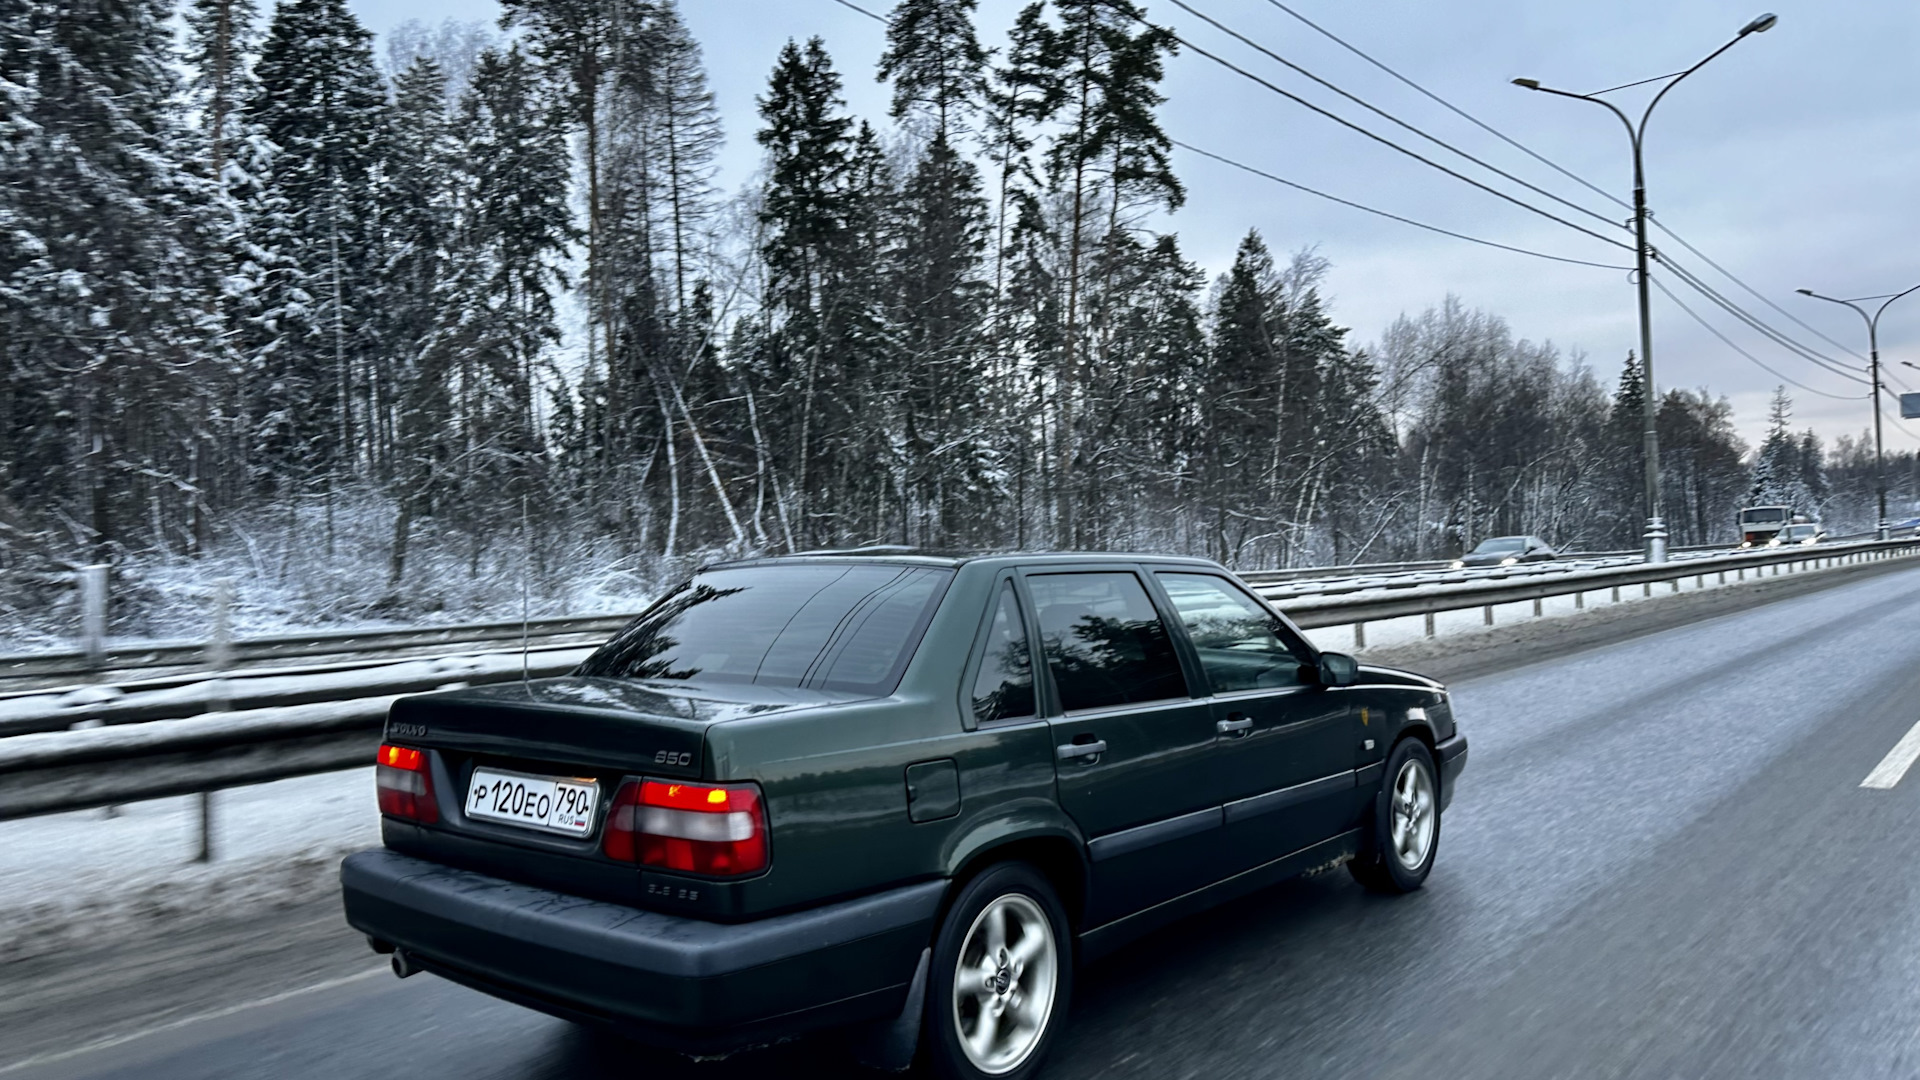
x,y
1758,524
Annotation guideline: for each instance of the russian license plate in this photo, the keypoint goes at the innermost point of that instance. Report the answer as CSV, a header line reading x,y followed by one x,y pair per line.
x,y
553,803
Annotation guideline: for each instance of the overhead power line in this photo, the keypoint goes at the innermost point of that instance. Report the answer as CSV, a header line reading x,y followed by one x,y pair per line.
x,y
1384,141
1376,110
1556,167
861,10
1728,342
1693,282
1382,213
1456,110
1751,291
1378,138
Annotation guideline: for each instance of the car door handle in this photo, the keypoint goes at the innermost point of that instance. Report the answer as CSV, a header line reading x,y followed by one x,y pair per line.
x,y
1069,751
1236,725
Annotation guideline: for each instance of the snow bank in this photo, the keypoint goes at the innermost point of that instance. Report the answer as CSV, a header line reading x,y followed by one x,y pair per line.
x,y
86,875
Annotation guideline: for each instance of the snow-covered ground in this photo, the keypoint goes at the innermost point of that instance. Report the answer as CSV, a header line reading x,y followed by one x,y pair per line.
x,y
87,874
316,569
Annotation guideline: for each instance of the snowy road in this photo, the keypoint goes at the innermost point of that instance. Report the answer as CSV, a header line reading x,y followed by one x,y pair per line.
x,y
1662,862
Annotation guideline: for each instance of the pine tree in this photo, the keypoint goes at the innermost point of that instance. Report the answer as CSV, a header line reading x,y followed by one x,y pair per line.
x,y
936,64
1239,374
1111,66
1776,465
517,225
220,38
584,44
937,312
1021,94
321,102
418,212
1812,472
494,290
689,141
806,211
1626,431
1139,405
101,305
938,71
219,50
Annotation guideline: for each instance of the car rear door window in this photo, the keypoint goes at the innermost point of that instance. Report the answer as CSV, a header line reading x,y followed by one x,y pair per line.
x,y
1003,689
832,626
1104,641
1237,639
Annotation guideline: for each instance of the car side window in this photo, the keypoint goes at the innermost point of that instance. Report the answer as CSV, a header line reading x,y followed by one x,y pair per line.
x,y
1104,641
1236,638
1003,689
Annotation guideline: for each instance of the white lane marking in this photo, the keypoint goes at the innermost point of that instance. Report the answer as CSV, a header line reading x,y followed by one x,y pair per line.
x,y
1898,760
172,1025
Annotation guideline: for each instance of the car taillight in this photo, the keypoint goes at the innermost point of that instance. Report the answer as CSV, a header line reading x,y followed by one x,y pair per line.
x,y
406,787
694,828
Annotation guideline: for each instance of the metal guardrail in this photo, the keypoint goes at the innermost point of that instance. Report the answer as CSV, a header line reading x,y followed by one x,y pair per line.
x,y
1312,613
388,643
1367,570
80,770
61,712
71,770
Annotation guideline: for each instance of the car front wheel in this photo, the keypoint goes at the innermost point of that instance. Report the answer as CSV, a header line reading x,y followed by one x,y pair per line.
x,y
1406,823
1002,973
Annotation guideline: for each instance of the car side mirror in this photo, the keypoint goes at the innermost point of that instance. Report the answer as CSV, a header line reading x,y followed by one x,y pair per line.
x,y
1338,669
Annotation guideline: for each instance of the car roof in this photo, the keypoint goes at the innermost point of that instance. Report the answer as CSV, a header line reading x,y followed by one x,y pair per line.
x,y
910,556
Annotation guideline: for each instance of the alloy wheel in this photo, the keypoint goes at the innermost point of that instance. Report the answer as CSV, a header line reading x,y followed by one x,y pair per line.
x,y
1003,986
1413,815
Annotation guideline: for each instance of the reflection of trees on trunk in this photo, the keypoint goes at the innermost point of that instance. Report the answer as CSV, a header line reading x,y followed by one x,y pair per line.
x,y
635,652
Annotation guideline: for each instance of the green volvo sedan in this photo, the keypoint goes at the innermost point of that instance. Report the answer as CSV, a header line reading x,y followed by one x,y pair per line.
x,y
896,793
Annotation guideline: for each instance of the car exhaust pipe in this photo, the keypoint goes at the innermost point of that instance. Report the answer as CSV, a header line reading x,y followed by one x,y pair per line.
x,y
403,964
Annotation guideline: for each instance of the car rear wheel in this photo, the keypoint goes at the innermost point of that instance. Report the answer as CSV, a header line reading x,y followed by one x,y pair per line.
x,y
1002,973
1406,823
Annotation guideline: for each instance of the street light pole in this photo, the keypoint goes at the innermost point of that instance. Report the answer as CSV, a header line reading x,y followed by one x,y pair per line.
x,y
1656,535
1873,351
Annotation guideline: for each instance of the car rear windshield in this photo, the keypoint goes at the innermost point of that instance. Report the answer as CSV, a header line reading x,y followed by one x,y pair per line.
x,y
1494,544
1764,516
830,626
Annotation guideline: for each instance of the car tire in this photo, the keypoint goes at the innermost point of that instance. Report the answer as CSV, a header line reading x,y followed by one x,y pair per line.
x,y
1404,835
1003,959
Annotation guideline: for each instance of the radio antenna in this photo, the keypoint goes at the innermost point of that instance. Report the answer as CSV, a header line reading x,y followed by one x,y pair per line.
x,y
526,568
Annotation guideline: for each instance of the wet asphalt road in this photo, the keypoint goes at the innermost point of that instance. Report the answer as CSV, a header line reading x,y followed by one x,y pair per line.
x,y
1660,864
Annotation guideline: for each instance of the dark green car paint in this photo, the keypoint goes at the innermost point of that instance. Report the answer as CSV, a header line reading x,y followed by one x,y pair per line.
x,y
834,769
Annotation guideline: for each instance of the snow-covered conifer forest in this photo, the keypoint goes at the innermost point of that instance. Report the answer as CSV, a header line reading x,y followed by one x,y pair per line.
x,y
383,333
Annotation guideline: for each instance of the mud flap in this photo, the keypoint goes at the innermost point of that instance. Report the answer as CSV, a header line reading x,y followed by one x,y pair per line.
x,y
889,1045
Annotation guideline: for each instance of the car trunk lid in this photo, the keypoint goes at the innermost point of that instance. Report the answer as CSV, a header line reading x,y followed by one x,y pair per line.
x,y
575,730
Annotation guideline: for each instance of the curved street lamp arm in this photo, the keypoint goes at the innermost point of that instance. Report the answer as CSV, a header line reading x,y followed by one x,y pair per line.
x,y
1862,312
1683,75
1628,124
1891,299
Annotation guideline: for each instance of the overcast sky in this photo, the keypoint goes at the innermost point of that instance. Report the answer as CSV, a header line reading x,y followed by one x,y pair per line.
x,y
1791,160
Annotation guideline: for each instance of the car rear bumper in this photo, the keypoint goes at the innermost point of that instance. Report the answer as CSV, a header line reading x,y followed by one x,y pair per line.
x,y
1451,755
679,982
